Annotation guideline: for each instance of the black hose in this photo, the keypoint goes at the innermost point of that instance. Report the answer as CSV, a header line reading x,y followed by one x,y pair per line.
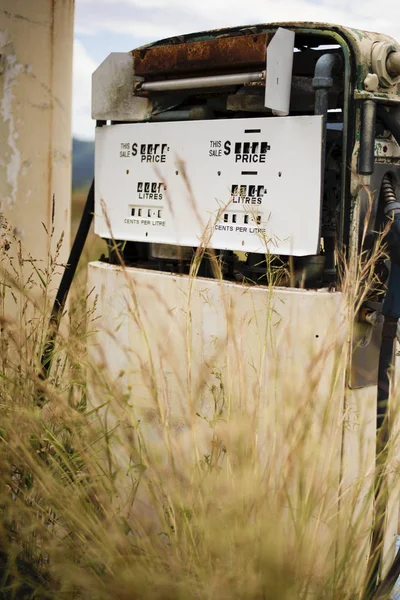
x,y
65,284
391,119
386,586
391,307
385,364
381,492
388,191
391,311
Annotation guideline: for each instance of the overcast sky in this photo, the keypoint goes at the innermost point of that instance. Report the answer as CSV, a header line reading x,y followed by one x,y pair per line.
x,y
104,26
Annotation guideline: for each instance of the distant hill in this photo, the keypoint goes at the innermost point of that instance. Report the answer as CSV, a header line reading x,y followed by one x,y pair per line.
x,y
82,163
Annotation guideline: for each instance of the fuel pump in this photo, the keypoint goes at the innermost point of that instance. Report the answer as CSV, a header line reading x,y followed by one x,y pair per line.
x,y
277,147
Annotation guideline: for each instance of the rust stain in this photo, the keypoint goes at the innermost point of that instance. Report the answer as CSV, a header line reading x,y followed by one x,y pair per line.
x,y
246,51
17,16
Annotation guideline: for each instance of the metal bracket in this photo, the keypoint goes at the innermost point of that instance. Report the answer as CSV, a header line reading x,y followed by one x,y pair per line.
x,y
365,347
113,91
279,69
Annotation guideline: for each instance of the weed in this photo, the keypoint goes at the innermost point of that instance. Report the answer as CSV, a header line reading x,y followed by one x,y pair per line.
x,y
172,463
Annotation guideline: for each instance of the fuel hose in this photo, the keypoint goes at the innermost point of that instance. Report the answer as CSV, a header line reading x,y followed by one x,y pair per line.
x,y
65,284
391,313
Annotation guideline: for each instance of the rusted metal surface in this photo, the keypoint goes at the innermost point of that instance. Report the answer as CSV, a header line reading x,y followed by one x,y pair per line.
x,y
302,98
219,54
226,49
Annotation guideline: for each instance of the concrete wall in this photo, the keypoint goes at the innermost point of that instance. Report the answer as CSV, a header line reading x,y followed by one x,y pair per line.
x,y
36,42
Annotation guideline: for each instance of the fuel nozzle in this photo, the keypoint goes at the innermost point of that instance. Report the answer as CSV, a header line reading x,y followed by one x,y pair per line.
x,y
391,205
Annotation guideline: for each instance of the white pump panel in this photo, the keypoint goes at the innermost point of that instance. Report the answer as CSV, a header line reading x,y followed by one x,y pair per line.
x,y
250,184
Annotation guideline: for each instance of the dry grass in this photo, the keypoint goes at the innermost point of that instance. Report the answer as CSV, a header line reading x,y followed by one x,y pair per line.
x,y
220,487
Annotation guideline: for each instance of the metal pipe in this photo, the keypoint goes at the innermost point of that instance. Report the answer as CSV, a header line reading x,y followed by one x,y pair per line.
x,y
366,162
393,64
196,113
322,83
200,82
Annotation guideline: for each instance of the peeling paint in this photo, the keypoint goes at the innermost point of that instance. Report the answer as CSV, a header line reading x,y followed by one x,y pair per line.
x,y
60,157
11,72
42,107
11,16
19,233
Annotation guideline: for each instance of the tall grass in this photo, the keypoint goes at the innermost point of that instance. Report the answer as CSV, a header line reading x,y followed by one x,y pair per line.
x,y
160,467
